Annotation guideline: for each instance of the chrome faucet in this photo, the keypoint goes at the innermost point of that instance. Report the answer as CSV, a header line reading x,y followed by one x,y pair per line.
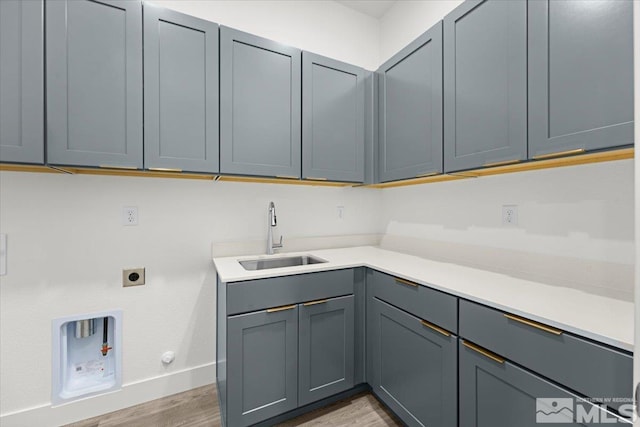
x,y
272,223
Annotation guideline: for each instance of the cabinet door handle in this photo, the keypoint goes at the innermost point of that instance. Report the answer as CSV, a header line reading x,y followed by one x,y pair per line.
x,y
118,167
406,282
320,301
502,163
533,324
287,177
424,175
283,308
311,178
435,328
559,154
482,351
165,170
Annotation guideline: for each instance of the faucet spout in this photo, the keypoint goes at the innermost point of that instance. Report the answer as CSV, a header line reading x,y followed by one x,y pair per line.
x,y
271,224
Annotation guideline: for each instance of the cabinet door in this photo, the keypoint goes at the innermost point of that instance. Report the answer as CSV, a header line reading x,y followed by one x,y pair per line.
x,y
485,84
94,83
580,75
332,120
496,393
180,91
260,106
326,348
262,365
413,367
21,81
410,109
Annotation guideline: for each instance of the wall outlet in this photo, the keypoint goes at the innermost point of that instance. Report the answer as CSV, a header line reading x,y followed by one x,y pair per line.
x,y
130,215
133,277
340,211
510,215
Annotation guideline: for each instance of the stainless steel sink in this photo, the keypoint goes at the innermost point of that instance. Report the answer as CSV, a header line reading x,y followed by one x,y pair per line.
x,y
265,264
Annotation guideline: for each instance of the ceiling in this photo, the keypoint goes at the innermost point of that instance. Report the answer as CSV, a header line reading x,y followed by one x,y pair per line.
x,y
374,8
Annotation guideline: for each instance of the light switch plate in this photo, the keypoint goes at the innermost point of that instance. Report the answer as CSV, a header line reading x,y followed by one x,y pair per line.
x,y
3,254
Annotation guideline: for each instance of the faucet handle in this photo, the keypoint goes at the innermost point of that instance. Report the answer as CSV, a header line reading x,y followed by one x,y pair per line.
x,y
278,245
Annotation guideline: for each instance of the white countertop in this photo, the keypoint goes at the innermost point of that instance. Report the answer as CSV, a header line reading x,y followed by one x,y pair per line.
x,y
602,319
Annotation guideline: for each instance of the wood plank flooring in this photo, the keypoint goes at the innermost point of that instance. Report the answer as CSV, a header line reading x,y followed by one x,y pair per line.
x,y
199,408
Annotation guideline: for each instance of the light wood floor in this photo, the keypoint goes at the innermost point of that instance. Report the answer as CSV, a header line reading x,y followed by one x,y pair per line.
x,y
199,408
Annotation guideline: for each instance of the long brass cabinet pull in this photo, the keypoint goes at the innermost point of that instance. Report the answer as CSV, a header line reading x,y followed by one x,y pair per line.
x,y
133,168
424,175
287,177
559,154
313,178
533,324
435,328
406,282
165,170
320,301
501,163
482,351
283,308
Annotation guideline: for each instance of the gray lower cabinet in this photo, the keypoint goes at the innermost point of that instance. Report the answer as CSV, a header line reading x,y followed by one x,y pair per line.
x,y
496,393
94,83
413,367
21,81
326,348
262,365
260,106
180,91
589,368
485,84
286,342
333,108
580,75
410,109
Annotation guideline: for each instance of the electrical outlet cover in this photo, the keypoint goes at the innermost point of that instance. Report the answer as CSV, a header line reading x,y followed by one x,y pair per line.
x,y
510,215
133,277
130,215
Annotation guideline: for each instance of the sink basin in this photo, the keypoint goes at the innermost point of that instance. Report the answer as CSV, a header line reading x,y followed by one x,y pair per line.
x,y
265,264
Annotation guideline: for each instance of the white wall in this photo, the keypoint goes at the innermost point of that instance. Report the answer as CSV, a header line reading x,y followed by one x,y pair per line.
x,y
321,26
67,248
407,19
575,225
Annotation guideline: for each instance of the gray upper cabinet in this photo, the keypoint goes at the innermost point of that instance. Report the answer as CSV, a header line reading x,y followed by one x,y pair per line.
x,y
333,111
326,355
180,91
485,84
260,106
580,75
94,83
413,367
262,365
371,128
410,109
21,81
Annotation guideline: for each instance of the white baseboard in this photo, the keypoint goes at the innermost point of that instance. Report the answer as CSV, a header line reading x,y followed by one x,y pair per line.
x,y
131,394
